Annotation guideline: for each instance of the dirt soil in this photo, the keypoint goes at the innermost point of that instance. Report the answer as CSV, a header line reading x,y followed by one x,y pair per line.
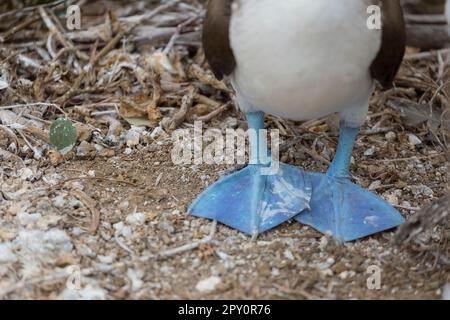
x,y
108,219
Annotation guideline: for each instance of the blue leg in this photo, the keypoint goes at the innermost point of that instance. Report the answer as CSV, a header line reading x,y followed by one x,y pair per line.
x,y
341,163
342,208
255,199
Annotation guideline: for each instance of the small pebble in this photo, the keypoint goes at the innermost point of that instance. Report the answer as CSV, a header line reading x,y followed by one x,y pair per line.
x,y
128,151
123,230
26,219
288,255
6,253
374,185
132,138
390,136
392,199
369,152
414,140
208,284
136,219
156,132
25,173
59,201
446,293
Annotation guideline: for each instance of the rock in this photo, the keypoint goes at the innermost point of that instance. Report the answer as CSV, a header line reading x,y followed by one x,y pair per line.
x,y
446,292
106,259
84,132
422,190
26,219
115,128
369,152
124,205
37,247
166,226
136,219
390,136
51,179
55,157
275,272
231,123
414,140
8,118
327,264
76,231
133,136
89,292
25,173
6,253
288,255
48,221
156,132
406,204
205,229
392,199
37,240
123,230
339,267
107,153
208,284
7,234
58,240
346,274
86,150
3,84
223,255
136,279
374,185
12,147
227,260
85,251
323,243
128,151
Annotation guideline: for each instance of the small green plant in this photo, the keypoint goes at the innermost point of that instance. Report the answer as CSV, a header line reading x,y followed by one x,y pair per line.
x,y
63,135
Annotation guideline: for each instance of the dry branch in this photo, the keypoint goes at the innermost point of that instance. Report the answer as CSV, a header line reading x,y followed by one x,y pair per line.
x,y
426,26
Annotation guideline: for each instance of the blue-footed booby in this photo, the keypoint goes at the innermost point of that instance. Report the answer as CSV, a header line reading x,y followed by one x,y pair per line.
x,y
299,60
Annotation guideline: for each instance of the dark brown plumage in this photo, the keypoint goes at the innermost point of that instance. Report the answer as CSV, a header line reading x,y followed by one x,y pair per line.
x,y
385,66
216,41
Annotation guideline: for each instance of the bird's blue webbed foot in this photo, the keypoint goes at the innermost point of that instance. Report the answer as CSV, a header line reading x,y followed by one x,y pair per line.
x,y
342,208
347,211
258,197
252,202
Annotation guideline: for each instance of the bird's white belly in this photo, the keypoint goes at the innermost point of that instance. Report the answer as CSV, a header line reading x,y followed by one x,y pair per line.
x,y
301,59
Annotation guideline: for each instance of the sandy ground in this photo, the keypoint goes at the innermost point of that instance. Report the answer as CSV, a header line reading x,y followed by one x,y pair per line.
x,y
108,220
145,216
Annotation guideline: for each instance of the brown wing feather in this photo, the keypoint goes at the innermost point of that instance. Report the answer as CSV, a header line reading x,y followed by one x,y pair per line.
x,y
385,66
216,41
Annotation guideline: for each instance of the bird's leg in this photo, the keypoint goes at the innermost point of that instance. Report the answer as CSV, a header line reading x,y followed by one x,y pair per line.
x,y
339,168
258,147
342,208
258,142
256,198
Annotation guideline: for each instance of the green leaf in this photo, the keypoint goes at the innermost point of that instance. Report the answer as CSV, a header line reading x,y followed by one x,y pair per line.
x,y
63,135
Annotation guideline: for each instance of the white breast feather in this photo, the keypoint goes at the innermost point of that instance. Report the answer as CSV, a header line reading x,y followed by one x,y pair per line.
x,y
302,59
